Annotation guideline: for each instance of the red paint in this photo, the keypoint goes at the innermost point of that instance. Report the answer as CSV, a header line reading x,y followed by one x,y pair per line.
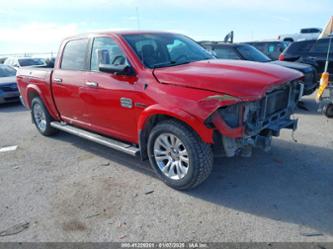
x,y
281,57
180,92
227,131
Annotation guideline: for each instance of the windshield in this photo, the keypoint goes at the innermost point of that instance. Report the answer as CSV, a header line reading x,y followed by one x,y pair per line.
x,y
7,71
252,54
164,50
31,62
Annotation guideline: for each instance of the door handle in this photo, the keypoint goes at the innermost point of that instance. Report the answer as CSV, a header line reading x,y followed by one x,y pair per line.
x,y
57,80
91,84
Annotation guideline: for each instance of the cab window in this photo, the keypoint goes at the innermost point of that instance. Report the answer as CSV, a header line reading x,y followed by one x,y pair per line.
x,y
106,51
74,55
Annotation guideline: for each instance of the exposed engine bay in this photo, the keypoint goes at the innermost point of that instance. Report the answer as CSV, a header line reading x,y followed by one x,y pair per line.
x,y
253,124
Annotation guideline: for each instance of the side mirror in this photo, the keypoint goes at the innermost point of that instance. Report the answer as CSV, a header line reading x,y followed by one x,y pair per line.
x,y
117,69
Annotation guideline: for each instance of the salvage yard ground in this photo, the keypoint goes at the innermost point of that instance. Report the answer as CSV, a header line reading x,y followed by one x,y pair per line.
x,y
68,189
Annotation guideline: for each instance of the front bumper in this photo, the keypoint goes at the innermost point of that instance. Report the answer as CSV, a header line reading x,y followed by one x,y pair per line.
x,y
258,121
233,146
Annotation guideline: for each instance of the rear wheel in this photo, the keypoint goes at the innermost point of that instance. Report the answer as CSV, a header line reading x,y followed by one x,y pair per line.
x,y
42,118
328,110
178,155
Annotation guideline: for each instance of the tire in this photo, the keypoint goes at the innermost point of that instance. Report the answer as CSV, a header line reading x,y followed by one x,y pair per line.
x,y
328,110
195,158
41,117
288,40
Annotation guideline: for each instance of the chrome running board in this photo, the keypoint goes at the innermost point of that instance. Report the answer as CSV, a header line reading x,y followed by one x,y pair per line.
x,y
111,143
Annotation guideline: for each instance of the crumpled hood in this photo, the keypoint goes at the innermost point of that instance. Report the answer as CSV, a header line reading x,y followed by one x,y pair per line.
x,y
242,79
7,80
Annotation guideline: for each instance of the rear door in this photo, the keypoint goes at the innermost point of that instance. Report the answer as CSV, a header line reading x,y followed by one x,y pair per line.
x,y
68,81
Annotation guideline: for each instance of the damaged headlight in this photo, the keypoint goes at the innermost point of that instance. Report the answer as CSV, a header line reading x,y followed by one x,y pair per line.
x,y
231,115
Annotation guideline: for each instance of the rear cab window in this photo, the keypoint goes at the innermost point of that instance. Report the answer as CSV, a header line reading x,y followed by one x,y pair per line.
x,y
75,55
310,31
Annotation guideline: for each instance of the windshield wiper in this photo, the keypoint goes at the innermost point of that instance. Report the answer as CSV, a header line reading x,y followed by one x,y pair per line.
x,y
170,64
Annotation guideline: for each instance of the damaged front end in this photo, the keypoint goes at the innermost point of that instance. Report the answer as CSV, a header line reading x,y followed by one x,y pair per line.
x,y
242,126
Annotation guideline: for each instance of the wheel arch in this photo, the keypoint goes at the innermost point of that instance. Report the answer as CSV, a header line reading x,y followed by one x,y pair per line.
x,y
33,91
155,114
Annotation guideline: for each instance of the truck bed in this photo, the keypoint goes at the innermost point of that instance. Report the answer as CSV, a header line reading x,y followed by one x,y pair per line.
x,y
36,81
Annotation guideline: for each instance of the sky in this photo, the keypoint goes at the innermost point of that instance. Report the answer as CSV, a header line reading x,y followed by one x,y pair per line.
x,y
31,26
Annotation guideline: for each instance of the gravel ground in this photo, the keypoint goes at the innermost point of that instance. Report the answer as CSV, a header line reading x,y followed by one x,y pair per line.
x,y
69,189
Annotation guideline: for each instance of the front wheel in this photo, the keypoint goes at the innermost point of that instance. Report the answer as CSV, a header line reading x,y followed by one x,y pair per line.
x,y
178,155
42,118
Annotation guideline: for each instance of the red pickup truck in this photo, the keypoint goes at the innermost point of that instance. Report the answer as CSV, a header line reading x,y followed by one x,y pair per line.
x,y
163,97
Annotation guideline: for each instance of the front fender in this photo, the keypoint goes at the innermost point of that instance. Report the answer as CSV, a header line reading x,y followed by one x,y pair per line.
x,y
196,124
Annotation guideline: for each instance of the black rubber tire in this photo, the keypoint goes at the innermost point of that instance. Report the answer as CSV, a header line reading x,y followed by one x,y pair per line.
x,y
328,110
288,40
200,154
49,131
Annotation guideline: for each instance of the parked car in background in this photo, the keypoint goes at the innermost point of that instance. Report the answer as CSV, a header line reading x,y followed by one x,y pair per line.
x,y
18,62
2,59
313,52
305,34
8,87
272,49
247,52
161,96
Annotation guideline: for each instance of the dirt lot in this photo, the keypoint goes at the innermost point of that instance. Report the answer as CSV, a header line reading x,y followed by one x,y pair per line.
x,y
69,189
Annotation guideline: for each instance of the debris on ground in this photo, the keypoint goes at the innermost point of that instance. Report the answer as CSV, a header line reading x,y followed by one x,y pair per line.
x,y
121,224
149,192
8,148
312,234
123,236
92,216
15,229
105,164
293,137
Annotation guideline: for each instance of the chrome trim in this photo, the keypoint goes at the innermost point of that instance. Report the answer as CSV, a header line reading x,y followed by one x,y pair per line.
x,y
126,102
57,80
92,84
108,142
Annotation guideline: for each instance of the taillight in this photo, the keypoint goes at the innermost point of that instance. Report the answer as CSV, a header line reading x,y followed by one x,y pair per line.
x,y
281,57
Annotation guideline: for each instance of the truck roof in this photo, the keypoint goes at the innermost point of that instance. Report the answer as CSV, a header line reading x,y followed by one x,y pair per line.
x,y
121,32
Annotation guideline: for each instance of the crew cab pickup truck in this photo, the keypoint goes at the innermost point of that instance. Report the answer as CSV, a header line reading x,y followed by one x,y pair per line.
x,y
304,34
163,97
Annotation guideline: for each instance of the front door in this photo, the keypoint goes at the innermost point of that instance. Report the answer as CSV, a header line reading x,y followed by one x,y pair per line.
x,y
109,98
